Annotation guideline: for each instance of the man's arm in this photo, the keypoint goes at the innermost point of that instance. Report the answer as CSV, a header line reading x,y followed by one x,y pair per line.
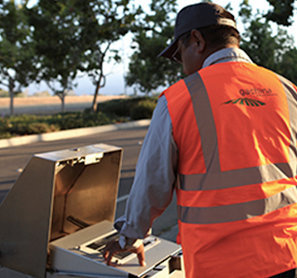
x,y
154,181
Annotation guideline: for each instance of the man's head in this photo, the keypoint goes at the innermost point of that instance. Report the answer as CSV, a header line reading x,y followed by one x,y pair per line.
x,y
201,29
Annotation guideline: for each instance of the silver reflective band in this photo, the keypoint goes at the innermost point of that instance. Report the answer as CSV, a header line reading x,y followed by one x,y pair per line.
x,y
239,177
205,121
237,212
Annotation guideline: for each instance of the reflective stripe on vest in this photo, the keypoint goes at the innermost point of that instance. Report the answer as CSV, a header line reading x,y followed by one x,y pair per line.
x,y
236,212
215,179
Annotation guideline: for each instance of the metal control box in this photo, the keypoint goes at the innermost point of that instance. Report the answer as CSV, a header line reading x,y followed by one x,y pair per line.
x,y
58,216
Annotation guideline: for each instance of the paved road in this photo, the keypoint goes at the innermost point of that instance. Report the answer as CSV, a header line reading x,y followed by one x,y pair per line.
x,y
14,159
44,109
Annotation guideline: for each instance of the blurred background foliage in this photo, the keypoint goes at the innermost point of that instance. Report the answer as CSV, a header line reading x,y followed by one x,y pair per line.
x,y
111,112
55,41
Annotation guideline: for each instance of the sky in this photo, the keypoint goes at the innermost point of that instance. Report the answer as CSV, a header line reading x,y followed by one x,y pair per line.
x,y
115,83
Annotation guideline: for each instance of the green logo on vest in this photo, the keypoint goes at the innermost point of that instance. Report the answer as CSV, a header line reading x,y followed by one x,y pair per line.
x,y
246,101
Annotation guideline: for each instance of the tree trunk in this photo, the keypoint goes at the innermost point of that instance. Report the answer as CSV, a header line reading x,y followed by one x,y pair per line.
x,y
94,103
11,96
61,95
62,103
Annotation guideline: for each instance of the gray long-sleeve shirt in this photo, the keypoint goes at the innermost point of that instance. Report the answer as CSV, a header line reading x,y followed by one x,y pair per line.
x,y
156,169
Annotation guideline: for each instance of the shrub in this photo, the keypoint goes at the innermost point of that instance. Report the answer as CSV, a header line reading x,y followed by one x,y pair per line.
x,y
109,112
128,107
94,119
4,124
32,128
80,119
37,128
5,135
68,120
144,110
118,107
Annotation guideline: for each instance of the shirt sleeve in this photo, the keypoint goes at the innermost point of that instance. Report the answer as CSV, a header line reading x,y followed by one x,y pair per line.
x,y
154,179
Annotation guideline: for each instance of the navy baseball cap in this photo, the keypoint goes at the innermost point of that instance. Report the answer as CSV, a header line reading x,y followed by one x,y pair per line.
x,y
194,17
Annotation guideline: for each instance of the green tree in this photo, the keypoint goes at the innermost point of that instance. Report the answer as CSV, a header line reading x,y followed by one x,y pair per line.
x,y
17,60
282,14
266,47
75,36
282,11
287,66
153,31
60,44
104,22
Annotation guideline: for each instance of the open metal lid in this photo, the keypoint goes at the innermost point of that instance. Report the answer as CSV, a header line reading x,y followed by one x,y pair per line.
x,y
57,194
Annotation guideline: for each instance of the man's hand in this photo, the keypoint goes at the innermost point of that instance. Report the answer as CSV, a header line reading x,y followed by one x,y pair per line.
x,y
113,247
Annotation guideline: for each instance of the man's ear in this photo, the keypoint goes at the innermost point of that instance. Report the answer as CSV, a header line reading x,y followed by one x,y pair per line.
x,y
198,38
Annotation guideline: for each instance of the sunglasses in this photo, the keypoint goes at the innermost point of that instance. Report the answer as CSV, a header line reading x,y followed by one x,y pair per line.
x,y
176,56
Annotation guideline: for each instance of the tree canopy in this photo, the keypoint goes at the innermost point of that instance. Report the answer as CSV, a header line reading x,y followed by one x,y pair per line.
x,y
104,23
75,36
17,49
282,11
273,49
146,70
267,47
56,41
60,42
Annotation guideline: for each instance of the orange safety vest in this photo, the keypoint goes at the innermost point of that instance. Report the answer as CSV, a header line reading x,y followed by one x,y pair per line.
x,y
235,126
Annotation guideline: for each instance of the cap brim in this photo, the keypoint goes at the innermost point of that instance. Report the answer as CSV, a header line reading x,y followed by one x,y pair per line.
x,y
169,50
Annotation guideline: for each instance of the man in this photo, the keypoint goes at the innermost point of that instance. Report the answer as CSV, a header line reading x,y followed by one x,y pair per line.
x,y
225,138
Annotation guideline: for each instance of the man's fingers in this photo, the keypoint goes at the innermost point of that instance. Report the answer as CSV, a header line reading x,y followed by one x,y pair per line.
x,y
110,249
141,258
140,255
105,254
113,247
108,260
